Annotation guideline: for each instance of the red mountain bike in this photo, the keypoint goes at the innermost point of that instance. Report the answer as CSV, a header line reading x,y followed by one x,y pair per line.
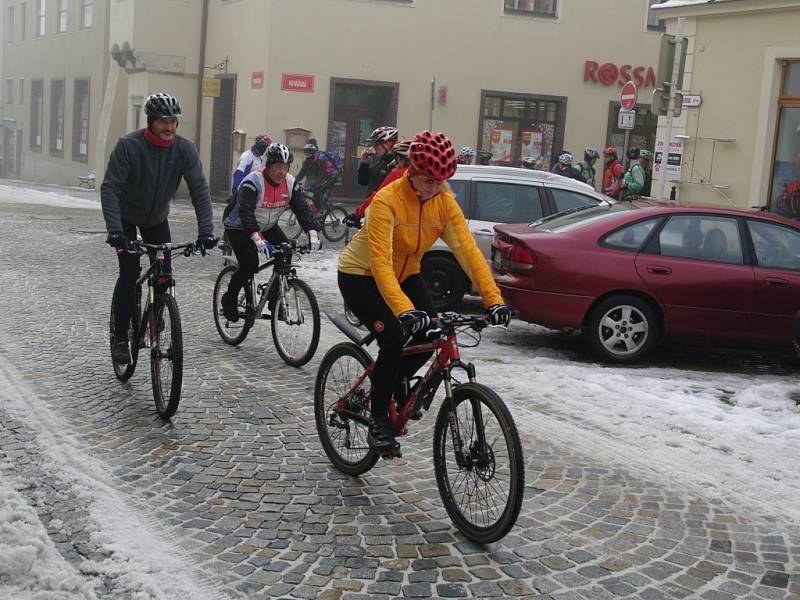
x,y
477,454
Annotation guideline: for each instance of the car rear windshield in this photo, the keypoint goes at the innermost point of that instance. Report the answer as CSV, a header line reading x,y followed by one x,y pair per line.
x,y
582,215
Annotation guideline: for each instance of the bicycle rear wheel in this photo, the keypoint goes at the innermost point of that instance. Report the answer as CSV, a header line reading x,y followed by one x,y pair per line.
x,y
288,222
482,489
166,356
344,433
295,322
124,372
231,333
333,226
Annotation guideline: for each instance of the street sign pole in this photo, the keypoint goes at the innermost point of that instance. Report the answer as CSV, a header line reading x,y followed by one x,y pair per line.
x,y
676,65
627,103
625,148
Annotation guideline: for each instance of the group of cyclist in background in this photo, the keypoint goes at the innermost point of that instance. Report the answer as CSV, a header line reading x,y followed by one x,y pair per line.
x,y
408,206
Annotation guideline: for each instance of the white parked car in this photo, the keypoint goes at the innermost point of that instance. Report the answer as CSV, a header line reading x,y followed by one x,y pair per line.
x,y
492,195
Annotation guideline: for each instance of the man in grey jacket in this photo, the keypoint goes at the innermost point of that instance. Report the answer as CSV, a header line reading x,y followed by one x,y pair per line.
x,y
143,174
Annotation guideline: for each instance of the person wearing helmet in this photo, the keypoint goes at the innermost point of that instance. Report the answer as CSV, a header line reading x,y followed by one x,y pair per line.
x,y
143,174
379,270
612,173
634,179
465,156
646,160
252,224
483,157
378,159
528,162
586,166
318,173
250,160
564,167
401,161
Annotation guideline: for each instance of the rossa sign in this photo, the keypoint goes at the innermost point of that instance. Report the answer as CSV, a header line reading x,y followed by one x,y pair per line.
x,y
609,74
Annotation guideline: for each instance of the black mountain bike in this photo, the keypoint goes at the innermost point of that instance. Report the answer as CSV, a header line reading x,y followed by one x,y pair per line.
x,y
293,311
157,326
330,219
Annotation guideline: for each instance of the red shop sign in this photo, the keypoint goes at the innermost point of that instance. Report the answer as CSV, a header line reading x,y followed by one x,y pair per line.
x,y
609,74
292,82
257,80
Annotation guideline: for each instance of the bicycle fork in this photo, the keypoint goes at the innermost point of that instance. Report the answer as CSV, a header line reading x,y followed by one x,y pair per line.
x,y
473,456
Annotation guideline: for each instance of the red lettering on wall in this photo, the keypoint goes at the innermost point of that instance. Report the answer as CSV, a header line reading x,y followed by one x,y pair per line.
x,y
651,77
590,71
637,76
608,73
624,74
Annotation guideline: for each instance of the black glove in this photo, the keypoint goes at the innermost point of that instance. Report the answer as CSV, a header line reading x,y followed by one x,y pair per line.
x,y
352,220
499,314
206,241
118,240
417,320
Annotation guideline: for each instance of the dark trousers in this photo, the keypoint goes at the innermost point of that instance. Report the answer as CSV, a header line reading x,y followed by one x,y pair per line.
x,y
363,298
129,270
247,255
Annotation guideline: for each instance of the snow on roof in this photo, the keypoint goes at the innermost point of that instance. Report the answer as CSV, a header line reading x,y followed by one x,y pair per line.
x,y
677,3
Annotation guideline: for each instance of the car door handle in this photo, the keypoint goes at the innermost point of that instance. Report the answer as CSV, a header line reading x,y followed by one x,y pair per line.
x,y
776,281
656,270
484,232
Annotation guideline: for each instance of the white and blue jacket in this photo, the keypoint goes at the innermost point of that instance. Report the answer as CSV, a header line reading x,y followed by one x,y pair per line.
x,y
248,162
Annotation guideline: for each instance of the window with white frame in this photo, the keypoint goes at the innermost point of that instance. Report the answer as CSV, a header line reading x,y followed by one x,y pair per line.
x,y
23,20
8,96
544,8
21,88
37,88
653,22
41,17
86,13
57,116
80,121
10,24
61,16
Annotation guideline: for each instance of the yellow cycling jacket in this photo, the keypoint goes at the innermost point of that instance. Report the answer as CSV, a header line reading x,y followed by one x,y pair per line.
x,y
397,232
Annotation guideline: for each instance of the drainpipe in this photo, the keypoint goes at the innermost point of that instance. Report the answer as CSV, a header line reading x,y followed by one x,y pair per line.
x,y
201,61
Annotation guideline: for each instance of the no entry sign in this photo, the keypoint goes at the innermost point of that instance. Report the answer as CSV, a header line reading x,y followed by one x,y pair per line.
x,y
627,97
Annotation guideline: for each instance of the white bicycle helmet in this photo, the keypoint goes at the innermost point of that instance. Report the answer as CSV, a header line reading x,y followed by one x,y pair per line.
x,y
565,158
383,135
277,153
467,151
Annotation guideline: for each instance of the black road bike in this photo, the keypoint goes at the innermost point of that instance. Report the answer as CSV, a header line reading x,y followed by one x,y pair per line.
x,y
329,219
156,324
291,306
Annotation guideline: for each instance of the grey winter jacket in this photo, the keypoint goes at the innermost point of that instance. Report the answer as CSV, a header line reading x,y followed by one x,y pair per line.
x,y
142,178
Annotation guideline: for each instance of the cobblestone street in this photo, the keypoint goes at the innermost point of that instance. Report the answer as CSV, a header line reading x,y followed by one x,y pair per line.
x,y
240,483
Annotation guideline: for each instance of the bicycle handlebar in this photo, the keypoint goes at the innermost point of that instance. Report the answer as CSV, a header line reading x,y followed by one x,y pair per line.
x,y
186,248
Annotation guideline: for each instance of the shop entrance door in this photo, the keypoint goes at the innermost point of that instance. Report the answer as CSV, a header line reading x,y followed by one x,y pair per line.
x,y
357,107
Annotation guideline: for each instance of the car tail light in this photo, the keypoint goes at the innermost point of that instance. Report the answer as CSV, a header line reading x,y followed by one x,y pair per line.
x,y
509,256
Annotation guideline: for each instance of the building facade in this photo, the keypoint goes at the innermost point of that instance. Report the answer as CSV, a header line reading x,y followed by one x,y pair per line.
x,y
516,77
739,141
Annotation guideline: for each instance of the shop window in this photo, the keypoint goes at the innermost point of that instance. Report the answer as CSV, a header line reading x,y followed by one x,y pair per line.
x,y
545,8
10,24
86,13
643,134
785,181
61,16
517,126
80,121
653,22
37,88
41,17
57,117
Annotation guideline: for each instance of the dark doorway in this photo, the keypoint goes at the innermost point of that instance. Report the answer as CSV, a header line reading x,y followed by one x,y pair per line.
x,y
223,114
357,107
643,134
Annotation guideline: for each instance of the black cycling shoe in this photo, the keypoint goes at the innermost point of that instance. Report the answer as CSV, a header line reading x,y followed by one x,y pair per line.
x,y
230,307
121,353
380,438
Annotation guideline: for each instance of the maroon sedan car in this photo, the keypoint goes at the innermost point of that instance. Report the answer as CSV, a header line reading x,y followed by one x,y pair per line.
x,y
628,274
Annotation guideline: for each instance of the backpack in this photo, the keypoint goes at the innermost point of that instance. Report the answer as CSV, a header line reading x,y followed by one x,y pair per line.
x,y
335,159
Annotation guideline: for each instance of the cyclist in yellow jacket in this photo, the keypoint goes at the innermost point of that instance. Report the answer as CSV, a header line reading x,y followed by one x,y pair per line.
x,y
379,270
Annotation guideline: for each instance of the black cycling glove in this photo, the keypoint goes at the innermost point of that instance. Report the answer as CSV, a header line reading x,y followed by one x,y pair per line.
x,y
118,240
499,314
417,320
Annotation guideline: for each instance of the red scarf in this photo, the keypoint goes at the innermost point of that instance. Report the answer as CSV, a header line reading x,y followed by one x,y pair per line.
x,y
157,141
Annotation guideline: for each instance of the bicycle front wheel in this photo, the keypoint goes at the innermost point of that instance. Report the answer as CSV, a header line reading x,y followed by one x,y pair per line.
x,y
482,484
230,332
295,322
125,372
166,356
333,227
343,429
289,224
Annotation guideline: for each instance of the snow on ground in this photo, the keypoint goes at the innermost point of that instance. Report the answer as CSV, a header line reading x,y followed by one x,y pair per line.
x,y
10,193
144,564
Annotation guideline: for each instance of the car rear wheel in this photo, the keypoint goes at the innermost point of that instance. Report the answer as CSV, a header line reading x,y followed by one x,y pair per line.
x,y
622,328
445,281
